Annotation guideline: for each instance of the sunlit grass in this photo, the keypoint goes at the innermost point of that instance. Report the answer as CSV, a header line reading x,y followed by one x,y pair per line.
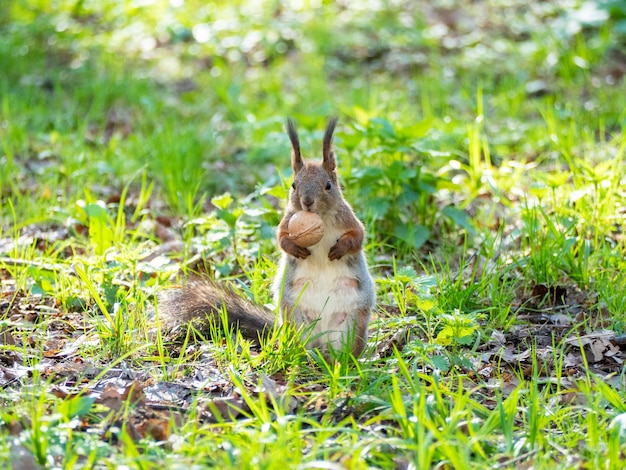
x,y
484,158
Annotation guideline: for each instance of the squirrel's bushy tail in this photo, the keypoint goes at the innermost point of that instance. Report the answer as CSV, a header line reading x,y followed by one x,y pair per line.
x,y
199,300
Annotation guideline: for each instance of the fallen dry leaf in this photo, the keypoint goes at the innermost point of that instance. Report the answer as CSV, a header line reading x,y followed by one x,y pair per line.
x,y
157,428
226,409
114,397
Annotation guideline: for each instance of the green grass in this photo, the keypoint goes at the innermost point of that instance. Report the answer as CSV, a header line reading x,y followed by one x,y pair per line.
x,y
482,145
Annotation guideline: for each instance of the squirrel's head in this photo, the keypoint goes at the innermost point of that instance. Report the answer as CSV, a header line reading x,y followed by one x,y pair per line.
x,y
315,185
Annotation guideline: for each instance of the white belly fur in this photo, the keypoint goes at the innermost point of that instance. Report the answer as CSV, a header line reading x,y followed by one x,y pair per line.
x,y
327,288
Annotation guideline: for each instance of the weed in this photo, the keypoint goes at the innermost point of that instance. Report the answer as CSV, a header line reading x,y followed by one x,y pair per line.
x,y
482,145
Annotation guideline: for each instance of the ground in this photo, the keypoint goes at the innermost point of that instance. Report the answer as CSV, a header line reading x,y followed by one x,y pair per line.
x,y
482,146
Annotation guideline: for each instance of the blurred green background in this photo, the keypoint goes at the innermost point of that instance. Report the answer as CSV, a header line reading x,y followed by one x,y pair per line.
x,y
441,103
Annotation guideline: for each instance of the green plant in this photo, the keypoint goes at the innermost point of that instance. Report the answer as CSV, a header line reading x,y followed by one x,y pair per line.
x,y
485,153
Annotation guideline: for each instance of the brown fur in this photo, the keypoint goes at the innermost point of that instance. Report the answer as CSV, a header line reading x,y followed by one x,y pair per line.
x,y
201,299
326,289
310,192
344,274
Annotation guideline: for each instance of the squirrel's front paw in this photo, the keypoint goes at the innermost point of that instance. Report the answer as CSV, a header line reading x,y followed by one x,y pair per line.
x,y
292,248
301,252
338,250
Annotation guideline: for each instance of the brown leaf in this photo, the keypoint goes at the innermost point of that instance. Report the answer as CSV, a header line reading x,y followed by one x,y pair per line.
x,y
74,369
223,409
509,356
156,428
7,338
553,295
586,339
397,341
132,431
278,393
14,426
165,233
597,348
559,319
113,397
134,392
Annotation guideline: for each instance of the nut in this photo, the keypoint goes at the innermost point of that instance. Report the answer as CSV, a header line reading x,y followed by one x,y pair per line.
x,y
306,228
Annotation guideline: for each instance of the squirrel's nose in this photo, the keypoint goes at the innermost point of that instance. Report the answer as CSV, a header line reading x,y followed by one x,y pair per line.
x,y
307,202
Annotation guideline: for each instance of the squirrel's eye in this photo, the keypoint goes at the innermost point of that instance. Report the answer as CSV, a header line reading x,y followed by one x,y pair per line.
x,y
293,185
327,185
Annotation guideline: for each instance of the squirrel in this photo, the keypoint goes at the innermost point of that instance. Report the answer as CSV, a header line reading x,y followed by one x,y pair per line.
x,y
326,288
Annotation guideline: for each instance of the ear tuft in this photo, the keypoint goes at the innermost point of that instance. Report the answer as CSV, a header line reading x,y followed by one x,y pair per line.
x,y
296,156
329,162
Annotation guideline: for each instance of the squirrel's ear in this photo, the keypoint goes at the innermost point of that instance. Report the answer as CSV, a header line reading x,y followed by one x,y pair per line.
x,y
329,163
296,157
